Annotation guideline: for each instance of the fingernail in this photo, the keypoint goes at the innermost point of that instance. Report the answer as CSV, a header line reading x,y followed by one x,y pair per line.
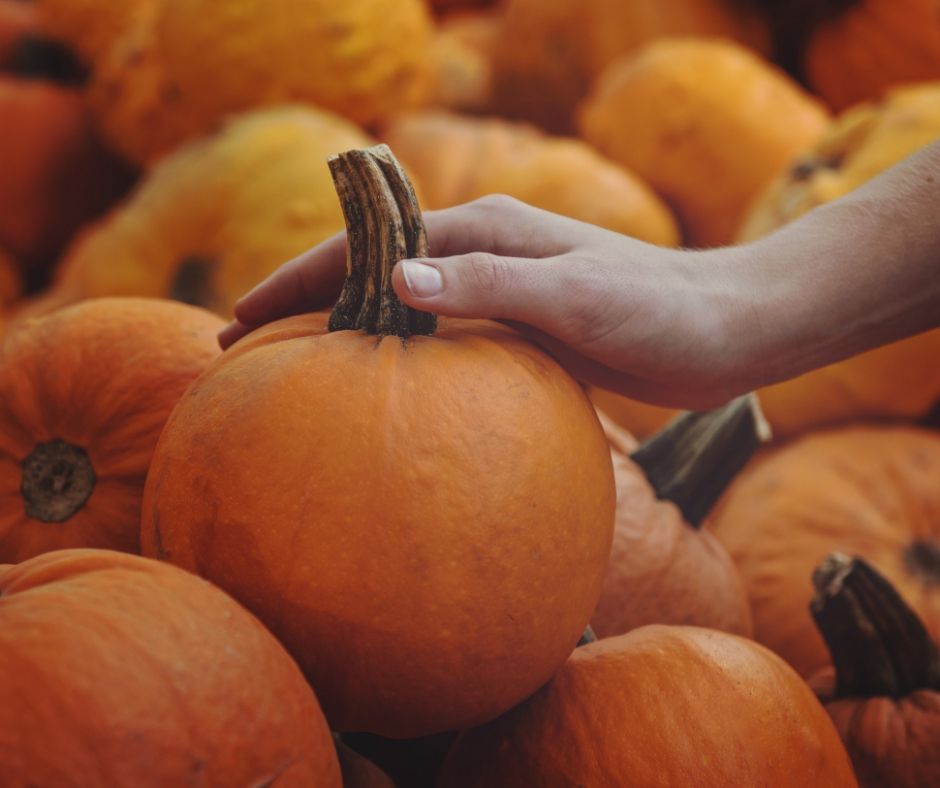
x,y
423,280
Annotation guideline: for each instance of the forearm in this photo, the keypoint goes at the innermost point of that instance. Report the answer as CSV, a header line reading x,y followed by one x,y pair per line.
x,y
850,276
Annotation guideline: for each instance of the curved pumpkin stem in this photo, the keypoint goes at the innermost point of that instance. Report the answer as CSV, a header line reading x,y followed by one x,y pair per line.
x,y
878,644
384,225
692,460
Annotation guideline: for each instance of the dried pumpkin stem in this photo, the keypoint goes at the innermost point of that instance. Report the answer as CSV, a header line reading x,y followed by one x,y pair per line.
x,y
384,225
879,646
691,461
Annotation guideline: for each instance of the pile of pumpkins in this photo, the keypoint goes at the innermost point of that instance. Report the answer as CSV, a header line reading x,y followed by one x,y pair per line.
x,y
373,532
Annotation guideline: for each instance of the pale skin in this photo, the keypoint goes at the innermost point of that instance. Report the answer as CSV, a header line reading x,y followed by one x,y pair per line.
x,y
673,327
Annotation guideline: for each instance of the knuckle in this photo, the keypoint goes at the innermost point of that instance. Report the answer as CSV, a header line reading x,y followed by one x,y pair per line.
x,y
488,273
498,203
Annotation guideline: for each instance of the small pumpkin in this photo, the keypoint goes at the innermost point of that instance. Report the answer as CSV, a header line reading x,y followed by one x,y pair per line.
x,y
660,705
56,173
458,159
215,218
866,491
84,393
550,52
670,111
462,51
884,693
118,670
194,62
871,46
422,516
664,568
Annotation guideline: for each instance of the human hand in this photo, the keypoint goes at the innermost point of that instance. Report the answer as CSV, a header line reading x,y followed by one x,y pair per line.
x,y
652,323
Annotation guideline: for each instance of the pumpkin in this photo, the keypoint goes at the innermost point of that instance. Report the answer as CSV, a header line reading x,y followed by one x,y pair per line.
x,y
191,63
10,286
864,490
669,111
462,52
56,173
118,670
458,159
422,516
871,46
215,218
884,693
84,393
88,27
549,52
660,705
664,568
449,6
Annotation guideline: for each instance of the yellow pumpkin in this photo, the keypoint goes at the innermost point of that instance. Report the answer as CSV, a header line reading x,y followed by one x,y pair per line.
x,y
211,221
691,116
192,62
458,159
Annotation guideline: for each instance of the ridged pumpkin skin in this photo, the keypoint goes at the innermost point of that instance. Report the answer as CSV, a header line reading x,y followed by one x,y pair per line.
x,y
458,159
424,525
550,51
217,217
88,27
662,570
866,491
205,60
890,741
56,174
659,706
117,670
690,117
101,376
871,46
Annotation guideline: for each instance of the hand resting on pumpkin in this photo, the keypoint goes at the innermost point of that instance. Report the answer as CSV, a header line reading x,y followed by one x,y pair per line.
x,y
675,327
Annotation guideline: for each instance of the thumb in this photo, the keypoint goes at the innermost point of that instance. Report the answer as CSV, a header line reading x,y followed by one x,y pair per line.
x,y
483,285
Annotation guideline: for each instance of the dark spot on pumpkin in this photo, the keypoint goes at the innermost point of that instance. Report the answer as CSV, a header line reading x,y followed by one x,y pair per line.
x,y
58,478
193,282
34,57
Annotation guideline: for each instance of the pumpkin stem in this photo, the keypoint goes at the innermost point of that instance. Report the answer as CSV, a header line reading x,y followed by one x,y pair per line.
x,y
384,225
692,460
879,646
57,480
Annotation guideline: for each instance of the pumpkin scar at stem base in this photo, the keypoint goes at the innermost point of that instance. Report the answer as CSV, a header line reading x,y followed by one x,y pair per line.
x,y
922,559
384,225
57,480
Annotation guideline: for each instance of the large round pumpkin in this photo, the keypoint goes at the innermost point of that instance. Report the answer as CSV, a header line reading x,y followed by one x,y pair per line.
x,y
691,117
194,62
84,393
866,491
422,519
549,52
884,694
664,568
458,159
659,706
218,216
118,670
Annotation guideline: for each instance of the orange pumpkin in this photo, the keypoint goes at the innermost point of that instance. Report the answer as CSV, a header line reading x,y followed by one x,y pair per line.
x,y
550,52
659,706
458,159
866,491
188,64
462,52
884,693
117,670
871,46
56,175
216,217
664,568
690,116
84,393
423,518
